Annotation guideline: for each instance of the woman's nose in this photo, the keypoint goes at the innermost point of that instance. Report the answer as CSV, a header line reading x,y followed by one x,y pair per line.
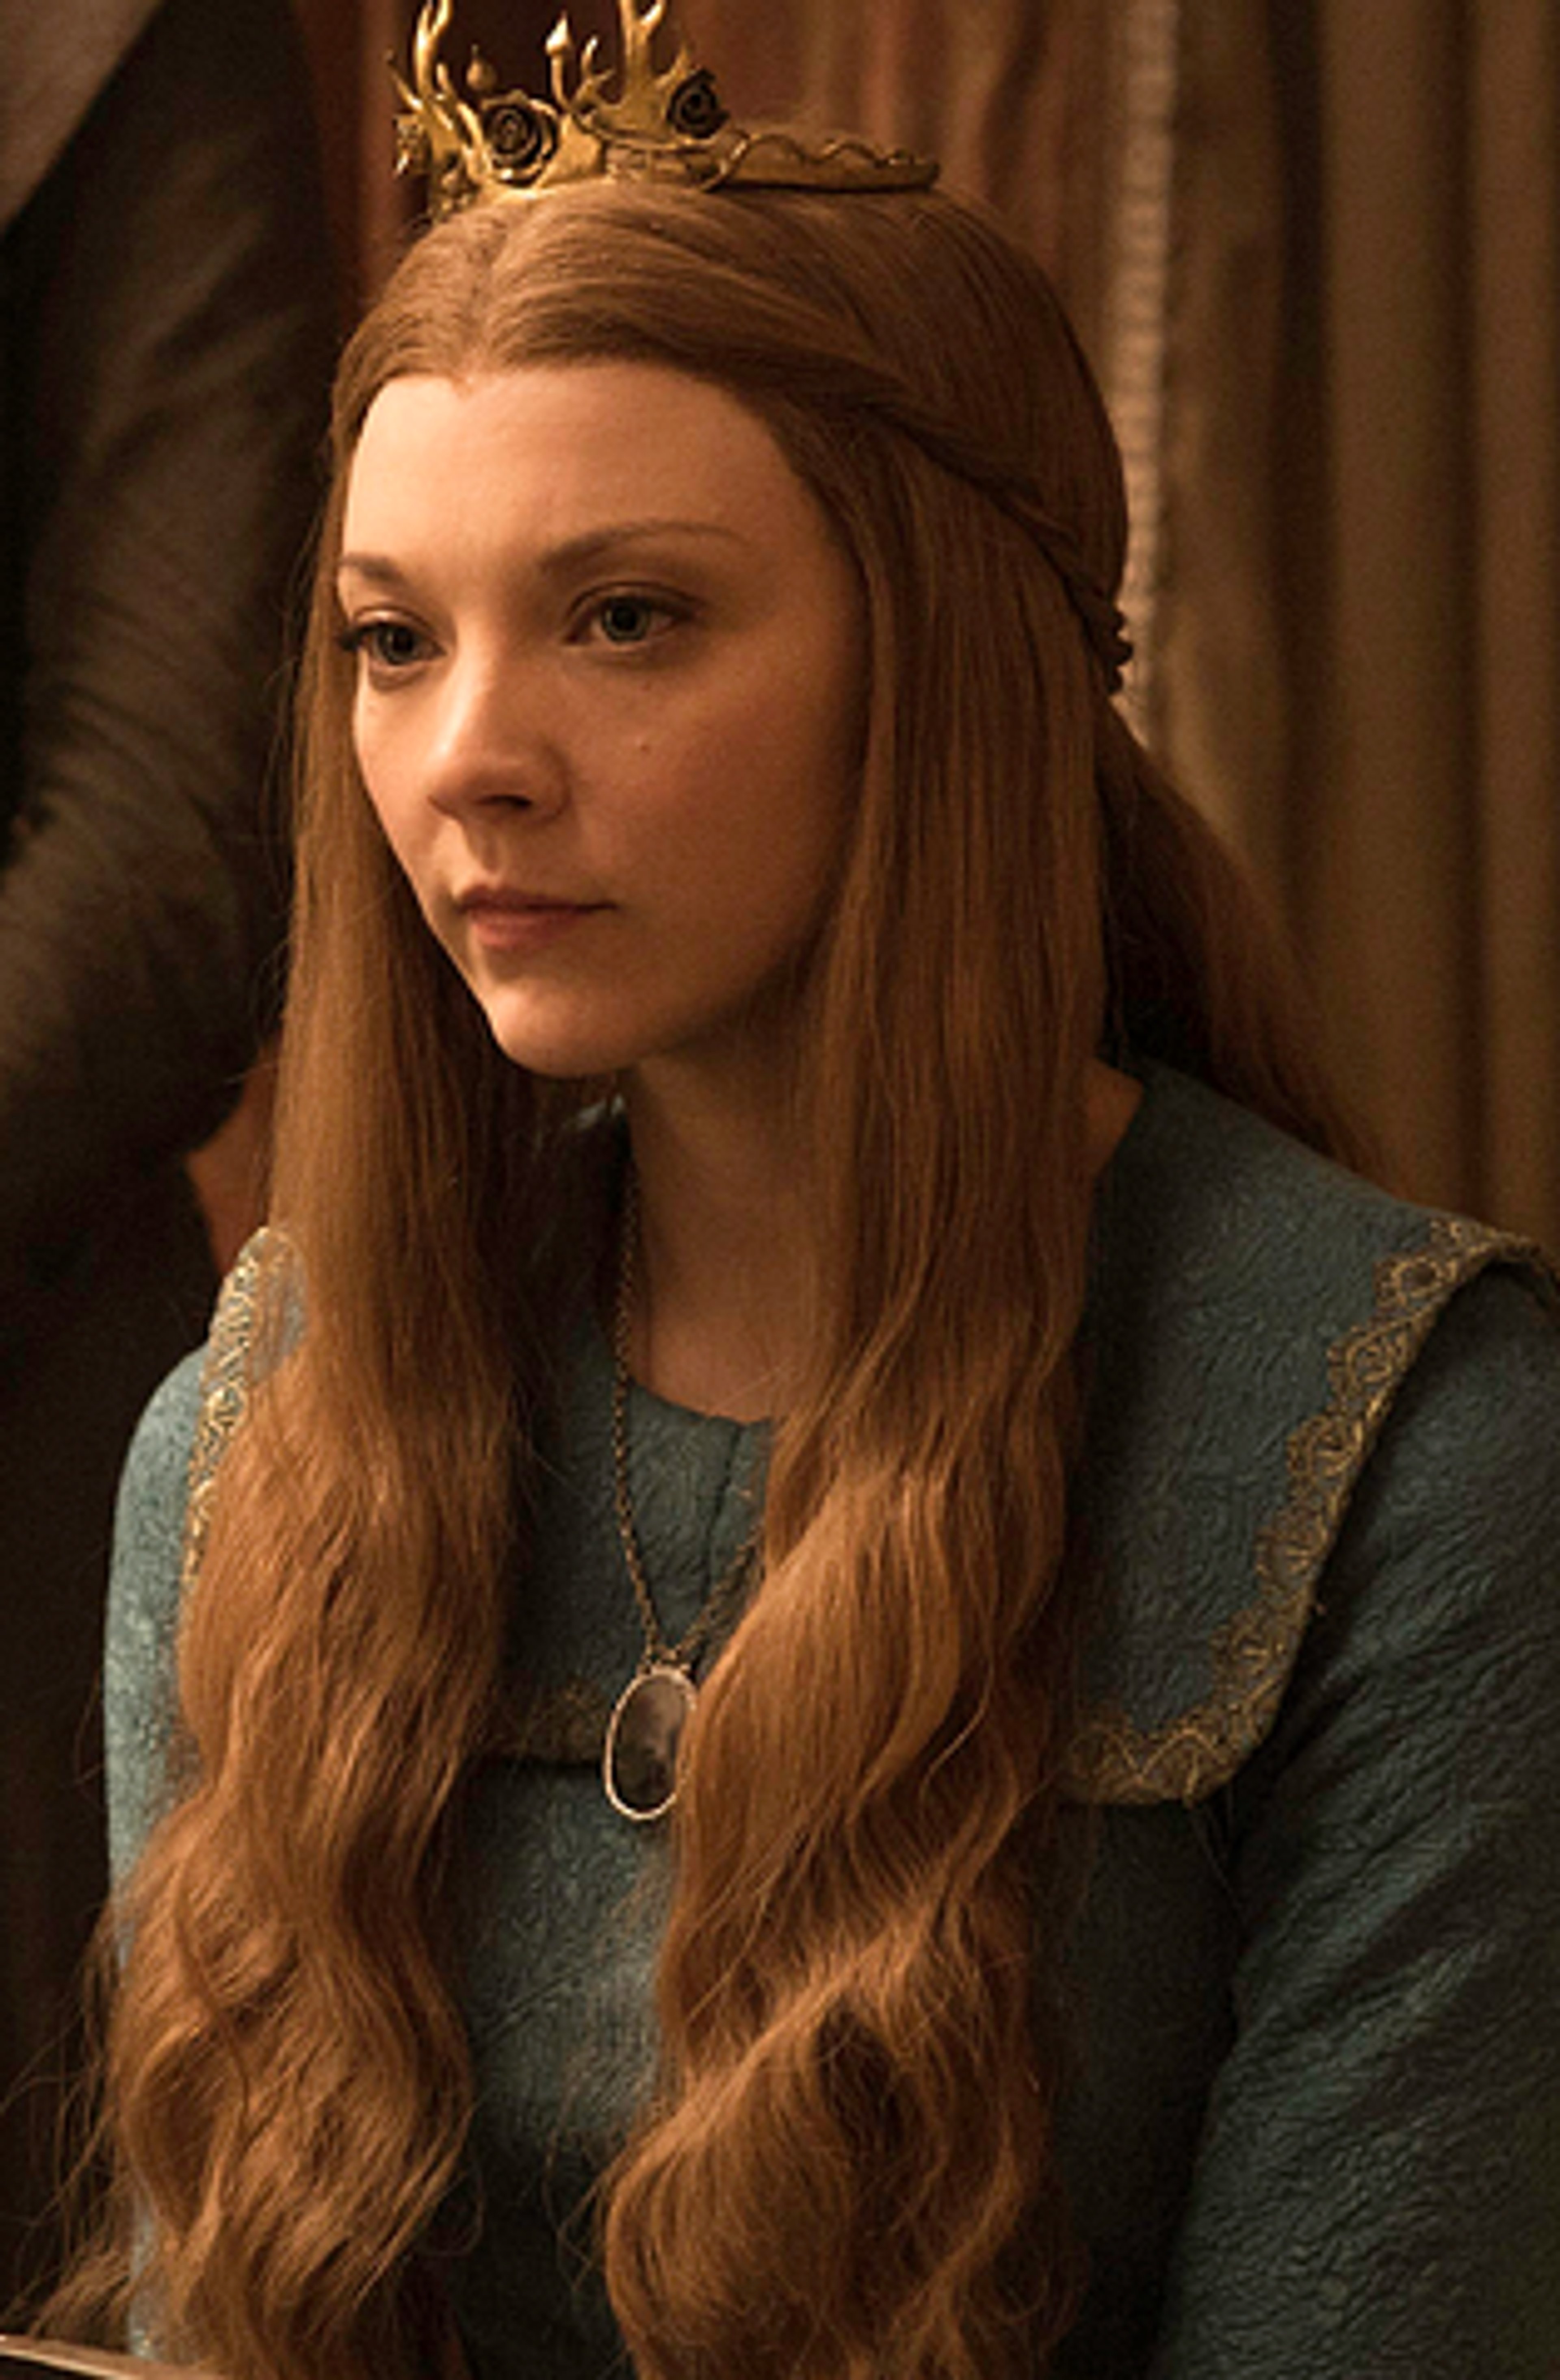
x,y
493,742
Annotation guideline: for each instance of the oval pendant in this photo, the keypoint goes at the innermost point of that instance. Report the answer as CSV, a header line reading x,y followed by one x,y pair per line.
x,y
639,1758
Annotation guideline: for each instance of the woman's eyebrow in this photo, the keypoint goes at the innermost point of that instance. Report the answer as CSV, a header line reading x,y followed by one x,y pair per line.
x,y
378,568
382,570
591,544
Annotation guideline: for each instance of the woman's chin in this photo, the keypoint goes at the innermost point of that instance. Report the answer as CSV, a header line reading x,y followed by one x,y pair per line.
x,y
560,1049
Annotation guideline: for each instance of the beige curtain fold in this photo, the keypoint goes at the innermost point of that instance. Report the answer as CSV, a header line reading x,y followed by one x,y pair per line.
x,y
1218,706
1361,632
1514,117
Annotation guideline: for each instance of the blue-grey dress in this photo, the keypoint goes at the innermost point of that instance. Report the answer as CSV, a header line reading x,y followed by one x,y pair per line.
x,y
1314,2131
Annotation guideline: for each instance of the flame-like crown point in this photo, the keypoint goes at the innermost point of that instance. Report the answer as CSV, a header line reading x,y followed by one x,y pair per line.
x,y
666,126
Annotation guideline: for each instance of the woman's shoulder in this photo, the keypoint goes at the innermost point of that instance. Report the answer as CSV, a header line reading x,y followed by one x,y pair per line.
x,y
185,1430
1259,1316
1242,1209
143,1606
1228,1250
164,1489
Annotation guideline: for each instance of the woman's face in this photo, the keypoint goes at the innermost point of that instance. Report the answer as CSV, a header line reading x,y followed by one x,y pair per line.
x,y
609,674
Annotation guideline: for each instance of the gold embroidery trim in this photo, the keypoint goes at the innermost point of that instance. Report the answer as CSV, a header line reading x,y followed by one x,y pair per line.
x,y
224,1390
1253,1654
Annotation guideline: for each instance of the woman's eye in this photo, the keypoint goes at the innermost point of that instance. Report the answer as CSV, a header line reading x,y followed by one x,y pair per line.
x,y
386,645
630,619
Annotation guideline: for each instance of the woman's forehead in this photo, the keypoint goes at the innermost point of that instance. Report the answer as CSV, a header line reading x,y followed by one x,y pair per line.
x,y
561,450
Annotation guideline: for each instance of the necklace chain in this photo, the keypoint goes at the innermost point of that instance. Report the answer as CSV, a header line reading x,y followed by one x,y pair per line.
x,y
659,1652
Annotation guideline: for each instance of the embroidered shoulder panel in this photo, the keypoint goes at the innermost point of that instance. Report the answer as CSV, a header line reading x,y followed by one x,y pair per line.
x,y
224,1384
1252,1655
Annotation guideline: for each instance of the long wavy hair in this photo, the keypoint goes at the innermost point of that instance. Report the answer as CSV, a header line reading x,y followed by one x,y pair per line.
x,y
846,2167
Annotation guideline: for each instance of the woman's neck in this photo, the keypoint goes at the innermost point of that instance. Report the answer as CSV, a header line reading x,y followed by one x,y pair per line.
x,y
720,1321
723,1251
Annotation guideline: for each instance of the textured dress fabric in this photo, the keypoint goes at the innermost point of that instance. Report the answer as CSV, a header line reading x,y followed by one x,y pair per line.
x,y
1309,2128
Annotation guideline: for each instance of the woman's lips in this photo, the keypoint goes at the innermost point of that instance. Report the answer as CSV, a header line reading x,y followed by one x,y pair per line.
x,y
522,921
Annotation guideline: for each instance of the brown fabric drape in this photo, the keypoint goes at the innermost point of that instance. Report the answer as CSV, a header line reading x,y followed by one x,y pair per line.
x,y
1362,628
1316,251
350,43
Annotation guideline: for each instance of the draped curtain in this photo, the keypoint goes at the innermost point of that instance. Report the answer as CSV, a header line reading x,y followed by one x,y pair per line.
x,y
1361,623
1314,248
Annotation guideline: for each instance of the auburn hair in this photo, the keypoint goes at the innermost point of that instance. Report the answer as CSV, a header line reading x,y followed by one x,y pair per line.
x,y
846,2167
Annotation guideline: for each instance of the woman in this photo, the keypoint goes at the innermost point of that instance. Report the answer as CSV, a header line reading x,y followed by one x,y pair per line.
x,y
796,1170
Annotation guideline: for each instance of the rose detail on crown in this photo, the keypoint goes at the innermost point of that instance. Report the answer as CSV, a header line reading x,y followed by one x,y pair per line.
x,y
695,109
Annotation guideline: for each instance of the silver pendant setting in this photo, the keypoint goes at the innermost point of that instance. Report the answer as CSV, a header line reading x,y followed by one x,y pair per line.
x,y
639,1757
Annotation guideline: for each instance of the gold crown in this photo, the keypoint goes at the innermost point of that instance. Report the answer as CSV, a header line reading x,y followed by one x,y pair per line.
x,y
665,127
